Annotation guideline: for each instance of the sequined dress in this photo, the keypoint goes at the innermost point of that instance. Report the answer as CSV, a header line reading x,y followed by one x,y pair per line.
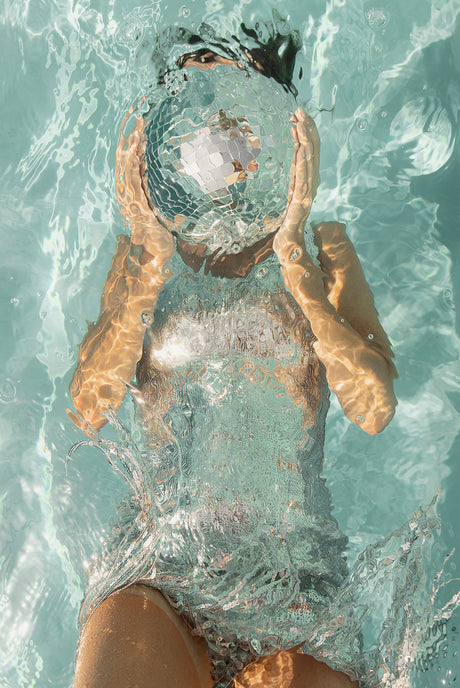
x,y
234,524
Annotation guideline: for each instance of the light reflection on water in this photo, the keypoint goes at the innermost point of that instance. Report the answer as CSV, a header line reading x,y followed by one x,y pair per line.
x,y
71,71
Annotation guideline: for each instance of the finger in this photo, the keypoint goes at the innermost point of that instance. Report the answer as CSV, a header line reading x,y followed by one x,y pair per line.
x,y
292,176
123,144
295,135
312,133
310,126
311,150
302,135
143,169
133,142
302,171
124,138
142,146
140,124
137,142
125,119
315,145
136,133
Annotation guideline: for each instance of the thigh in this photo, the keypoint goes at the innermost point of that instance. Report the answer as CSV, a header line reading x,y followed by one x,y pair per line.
x,y
134,638
289,669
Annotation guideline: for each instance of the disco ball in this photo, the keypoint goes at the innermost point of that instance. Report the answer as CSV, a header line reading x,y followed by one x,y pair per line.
x,y
218,155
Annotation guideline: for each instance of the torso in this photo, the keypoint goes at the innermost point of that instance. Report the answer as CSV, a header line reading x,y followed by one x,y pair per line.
x,y
229,374
234,515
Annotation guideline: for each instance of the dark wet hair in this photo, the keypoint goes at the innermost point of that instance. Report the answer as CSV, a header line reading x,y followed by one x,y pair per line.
x,y
276,53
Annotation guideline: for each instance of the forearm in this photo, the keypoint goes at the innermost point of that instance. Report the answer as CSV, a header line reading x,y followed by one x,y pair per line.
x,y
111,349
357,372
347,289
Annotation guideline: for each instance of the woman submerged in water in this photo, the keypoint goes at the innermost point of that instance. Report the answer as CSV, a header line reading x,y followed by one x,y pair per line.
x,y
246,555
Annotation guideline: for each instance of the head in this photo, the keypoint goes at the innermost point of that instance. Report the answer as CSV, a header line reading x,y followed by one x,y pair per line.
x,y
218,154
223,169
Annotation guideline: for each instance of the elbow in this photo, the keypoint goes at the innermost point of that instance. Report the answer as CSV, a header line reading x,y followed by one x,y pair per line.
x,y
367,396
377,413
374,423
371,407
89,424
92,398
378,400
88,416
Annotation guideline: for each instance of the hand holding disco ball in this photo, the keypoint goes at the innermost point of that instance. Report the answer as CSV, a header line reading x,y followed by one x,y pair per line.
x,y
146,230
215,158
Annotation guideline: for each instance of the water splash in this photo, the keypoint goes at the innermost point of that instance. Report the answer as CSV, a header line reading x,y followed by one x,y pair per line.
x,y
381,624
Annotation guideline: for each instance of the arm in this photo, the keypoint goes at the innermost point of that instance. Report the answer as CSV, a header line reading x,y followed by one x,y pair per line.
x,y
109,352
346,287
358,368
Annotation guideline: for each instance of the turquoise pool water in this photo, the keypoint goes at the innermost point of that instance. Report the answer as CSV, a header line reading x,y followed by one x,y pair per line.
x,y
383,84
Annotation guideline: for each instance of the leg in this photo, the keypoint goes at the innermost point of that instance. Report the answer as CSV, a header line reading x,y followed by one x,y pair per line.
x,y
135,639
289,669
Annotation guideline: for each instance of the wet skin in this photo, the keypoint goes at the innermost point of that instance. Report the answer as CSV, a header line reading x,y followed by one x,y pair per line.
x,y
338,304
134,638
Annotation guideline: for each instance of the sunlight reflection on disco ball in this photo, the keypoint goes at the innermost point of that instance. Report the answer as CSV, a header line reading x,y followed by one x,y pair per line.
x,y
219,153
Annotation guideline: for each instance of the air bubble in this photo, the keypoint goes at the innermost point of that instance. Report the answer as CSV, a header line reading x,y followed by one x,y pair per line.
x,y
235,247
14,301
342,320
262,272
7,390
65,356
130,34
359,419
142,106
306,274
370,336
184,12
147,319
377,19
295,253
447,298
362,124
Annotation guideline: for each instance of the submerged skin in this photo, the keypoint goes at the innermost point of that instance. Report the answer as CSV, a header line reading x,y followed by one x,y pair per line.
x,y
134,638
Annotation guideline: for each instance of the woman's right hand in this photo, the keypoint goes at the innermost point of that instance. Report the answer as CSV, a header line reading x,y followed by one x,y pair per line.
x,y
146,229
304,182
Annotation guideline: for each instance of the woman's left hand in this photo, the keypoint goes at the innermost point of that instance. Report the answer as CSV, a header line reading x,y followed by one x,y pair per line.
x,y
146,229
304,182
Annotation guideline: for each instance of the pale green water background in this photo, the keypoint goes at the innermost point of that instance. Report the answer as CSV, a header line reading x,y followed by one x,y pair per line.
x,y
390,168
